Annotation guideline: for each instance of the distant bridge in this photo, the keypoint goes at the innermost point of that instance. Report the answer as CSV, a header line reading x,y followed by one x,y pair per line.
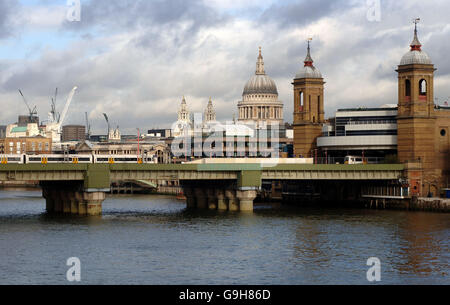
x,y
81,188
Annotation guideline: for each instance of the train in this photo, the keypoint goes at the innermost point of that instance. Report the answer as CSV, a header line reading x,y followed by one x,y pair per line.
x,y
76,159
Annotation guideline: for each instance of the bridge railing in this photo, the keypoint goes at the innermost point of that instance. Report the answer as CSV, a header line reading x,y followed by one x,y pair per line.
x,y
341,160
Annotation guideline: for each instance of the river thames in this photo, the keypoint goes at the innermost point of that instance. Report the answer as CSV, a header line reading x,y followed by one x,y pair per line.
x,y
151,239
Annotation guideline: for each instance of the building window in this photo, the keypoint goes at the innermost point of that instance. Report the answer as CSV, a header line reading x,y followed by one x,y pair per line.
x,y
407,87
301,100
443,132
423,87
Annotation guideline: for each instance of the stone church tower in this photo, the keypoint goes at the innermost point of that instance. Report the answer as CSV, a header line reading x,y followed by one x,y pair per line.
x,y
210,113
423,127
308,107
183,125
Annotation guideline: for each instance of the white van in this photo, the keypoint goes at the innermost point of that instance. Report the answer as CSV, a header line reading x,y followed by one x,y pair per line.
x,y
354,160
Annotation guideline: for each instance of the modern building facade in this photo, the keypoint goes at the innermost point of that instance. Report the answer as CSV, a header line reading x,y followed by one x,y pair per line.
x,y
73,133
370,132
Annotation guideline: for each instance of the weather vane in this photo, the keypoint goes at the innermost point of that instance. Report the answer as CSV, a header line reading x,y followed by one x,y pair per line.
x,y
416,21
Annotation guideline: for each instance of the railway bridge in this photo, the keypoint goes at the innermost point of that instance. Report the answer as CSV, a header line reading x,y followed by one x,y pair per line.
x,y
81,188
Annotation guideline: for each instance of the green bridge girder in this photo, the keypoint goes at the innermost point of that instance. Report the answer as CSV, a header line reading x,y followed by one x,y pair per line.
x,y
98,176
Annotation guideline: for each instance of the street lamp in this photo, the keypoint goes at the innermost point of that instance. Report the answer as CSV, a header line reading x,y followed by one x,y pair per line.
x,y
138,148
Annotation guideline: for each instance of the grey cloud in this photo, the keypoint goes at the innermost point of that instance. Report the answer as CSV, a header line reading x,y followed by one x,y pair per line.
x,y
122,15
303,12
8,8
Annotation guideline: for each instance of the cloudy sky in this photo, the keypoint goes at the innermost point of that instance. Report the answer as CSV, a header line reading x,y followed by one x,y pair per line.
x,y
136,59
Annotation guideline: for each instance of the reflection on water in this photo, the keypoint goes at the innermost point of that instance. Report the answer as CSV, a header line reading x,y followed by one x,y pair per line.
x,y
154,240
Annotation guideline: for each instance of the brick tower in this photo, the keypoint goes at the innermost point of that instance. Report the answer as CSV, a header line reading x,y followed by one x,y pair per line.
x,y
422,125
308,107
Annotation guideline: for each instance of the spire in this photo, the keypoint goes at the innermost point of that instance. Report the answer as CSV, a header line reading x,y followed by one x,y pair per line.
x,y
210,113
183,101
260,64
415,44
308,60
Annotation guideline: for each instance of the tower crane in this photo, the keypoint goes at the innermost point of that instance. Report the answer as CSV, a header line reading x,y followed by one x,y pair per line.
x,y
53,116
107,121
88,127
55,127
32,112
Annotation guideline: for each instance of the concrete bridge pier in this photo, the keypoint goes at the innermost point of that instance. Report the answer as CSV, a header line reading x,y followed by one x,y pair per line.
x,y
49,200
93,201
66,204
246,197
212,199
222,203
233,203
189,192
216,196
57,201
66,198
201,198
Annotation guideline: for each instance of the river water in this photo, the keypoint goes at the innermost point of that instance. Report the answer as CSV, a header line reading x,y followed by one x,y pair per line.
x,y
149,239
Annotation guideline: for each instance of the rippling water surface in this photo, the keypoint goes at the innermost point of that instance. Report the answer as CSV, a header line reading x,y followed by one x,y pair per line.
x,y
151,239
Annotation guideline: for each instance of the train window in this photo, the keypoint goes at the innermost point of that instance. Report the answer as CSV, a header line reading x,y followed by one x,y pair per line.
x,y
34,159
102,159
55,159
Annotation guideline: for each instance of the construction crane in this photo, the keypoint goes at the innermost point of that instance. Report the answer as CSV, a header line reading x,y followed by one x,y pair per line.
x,y
107,121
32,112
55,127
53,116
66,107
88,127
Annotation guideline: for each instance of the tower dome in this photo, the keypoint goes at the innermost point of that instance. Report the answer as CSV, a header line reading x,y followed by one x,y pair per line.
x,y
416,55
260,104
260,83
308,70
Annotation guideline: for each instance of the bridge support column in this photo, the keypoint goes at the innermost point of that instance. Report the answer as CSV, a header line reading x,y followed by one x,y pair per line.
x,y
57,201
93,202
66,202
49,200
246,197
222,204
73,203
212,199
71,199
190,197
233,204
201,198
